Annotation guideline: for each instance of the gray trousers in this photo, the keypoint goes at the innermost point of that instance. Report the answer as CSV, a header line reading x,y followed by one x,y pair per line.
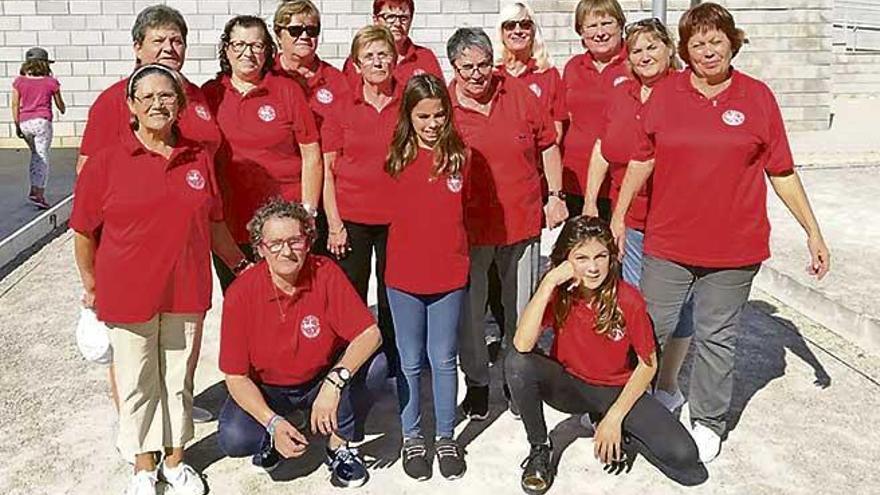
x,y
719,295
518,270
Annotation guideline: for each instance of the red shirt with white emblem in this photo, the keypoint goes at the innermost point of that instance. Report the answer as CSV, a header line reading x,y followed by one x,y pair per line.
x,y
360,135
608,359
324,90
155,219
586,93
260,156
503,199
709,197
277,339
412,61
547,86
109,119
427,240
621,134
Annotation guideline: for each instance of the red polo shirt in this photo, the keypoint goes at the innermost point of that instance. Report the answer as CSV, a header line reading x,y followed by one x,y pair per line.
x,y
155,218
586,93
603,359
278,339
621,134
547,86
109,119
360,136
412,61
324,90
709,197
427,240
260,157
503,200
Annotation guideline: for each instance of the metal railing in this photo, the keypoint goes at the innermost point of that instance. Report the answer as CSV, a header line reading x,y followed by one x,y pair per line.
x,y
857,25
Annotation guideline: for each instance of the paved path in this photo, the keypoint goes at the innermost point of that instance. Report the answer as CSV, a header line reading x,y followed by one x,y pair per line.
x,y
15,211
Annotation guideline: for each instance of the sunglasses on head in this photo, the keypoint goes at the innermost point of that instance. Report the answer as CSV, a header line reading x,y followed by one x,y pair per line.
x,y
525,24
297,31
652,22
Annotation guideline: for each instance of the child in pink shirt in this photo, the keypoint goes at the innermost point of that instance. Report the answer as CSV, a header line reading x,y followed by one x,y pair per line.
x,y
32,95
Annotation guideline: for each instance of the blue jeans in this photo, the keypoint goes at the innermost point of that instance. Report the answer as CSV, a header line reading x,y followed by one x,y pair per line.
x,y
633,253
427,324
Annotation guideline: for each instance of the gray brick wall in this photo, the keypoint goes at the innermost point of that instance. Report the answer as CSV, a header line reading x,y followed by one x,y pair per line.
x,y
790,43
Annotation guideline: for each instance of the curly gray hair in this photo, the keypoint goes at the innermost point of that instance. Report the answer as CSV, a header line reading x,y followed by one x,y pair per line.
x,y
279,208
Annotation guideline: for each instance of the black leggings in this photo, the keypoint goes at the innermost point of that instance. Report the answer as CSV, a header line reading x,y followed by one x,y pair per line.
x,y
648,428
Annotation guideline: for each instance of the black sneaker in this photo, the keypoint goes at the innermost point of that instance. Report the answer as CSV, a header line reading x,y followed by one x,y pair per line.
x,y
348,470
266,461
538,473
450,457
416,463
476,403
511,406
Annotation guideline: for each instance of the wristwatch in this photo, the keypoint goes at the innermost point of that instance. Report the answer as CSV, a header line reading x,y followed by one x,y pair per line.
x,y
311,210
339,376
558,194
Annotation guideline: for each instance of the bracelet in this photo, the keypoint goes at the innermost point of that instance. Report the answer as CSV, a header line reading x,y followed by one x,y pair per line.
x,y
240,266
341,230
558,194
311,210
273,423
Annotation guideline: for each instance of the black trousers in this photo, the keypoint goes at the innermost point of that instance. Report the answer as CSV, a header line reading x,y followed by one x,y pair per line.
x,y
648,429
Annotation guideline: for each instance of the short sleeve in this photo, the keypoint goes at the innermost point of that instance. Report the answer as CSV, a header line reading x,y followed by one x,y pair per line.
x,y
777,155
304,127
557,96
90,193
542,121
17,83
56,86
348,314
638,324
234,355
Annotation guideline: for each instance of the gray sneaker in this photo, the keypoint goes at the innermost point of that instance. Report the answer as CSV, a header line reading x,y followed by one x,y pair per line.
x,y
450,457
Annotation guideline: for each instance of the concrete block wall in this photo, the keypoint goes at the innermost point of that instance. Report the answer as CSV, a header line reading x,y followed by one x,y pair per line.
x,y
856,75
790,43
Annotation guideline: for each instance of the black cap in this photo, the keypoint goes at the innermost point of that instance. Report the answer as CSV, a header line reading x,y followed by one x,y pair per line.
x,y
37,53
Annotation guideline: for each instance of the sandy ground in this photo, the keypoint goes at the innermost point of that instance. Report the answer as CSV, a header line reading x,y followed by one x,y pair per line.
x,y
805,411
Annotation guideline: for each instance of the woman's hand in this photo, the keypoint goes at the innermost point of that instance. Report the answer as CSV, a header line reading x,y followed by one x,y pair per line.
x,y
561,274
618,230
88,298
590,209
289,442
606,441
337,241
556,212
820,257
324,409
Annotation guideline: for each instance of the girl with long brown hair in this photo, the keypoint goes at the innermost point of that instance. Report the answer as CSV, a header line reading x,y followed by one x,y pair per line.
x,y
602,362
427,267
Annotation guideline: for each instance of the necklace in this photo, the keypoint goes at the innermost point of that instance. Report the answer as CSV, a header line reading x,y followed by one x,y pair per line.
x,y
281,312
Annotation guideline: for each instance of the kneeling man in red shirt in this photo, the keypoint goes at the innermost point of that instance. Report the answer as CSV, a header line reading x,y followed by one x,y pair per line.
x,y
294,332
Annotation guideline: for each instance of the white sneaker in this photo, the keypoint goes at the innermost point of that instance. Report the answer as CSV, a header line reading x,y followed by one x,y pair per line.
x,y
708,442
143,483
186,482
670,401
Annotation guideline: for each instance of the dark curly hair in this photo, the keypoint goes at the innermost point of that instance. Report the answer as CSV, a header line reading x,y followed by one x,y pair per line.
x,y
246,21
279,208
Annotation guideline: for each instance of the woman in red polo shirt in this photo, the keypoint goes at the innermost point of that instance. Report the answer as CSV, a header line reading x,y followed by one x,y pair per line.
x,y
588,79
270,141
154,199
427,267
356,188
710,135
602,363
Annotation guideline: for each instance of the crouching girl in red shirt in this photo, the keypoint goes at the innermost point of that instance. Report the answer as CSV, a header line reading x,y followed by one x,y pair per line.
x,y
602,362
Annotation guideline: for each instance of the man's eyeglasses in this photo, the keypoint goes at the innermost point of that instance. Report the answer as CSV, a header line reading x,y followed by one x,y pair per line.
x,y
469,70
294,243
524,24
651,22
164,99
298,30
390,18
239,47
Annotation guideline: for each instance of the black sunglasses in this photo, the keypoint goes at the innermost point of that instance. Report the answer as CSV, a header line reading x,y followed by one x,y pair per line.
x,y
652,22
526,24
297,31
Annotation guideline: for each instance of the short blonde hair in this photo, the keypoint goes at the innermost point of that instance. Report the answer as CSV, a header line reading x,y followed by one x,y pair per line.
x,y
598,7
289,9
518,11
369,34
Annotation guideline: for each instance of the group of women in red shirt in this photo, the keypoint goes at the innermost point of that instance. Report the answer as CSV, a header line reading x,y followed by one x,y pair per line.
x,y
656,173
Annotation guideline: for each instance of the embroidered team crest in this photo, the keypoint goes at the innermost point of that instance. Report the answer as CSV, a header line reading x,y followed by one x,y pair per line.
x,y
616,334
733,118
195,179
535,89
418,72
454,183
324,96
310,326
203,112
619,80
266,113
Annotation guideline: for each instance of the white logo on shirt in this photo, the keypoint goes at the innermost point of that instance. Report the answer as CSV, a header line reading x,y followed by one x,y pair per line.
x,y
203,112
418,72
310,326
266,113
535,89
616,334
733,117
454,183
324,96
619,80
195,180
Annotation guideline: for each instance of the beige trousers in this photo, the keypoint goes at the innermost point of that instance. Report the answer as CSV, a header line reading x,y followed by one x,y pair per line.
x,y
154,364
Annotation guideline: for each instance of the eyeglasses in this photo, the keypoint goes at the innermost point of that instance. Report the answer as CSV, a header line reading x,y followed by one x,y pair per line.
x,y
469,70
294,243
651,22
240,47
524,24
390,18
298,30
164,99
381,57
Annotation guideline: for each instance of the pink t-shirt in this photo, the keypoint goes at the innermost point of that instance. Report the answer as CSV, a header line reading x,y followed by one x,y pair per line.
x,y
36,96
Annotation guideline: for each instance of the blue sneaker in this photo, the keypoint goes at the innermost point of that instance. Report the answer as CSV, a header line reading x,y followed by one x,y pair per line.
x,y
348,470
267,461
